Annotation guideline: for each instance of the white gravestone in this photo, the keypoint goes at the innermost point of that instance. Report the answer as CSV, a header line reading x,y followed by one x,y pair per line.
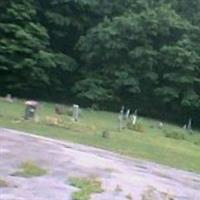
x,y
120,121
127,114
134,119
75,112
189,126
9,98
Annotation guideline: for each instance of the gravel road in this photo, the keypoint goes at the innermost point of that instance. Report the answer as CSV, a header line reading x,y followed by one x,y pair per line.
x,y
63,160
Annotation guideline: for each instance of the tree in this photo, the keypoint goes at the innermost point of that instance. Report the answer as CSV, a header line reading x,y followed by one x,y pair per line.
x,y
141,57
26,61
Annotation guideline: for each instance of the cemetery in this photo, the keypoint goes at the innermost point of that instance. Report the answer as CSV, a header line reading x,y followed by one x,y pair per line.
x,y
86,172
99,100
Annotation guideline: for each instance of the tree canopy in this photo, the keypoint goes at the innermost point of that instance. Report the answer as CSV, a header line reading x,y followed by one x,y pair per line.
x,y
141,53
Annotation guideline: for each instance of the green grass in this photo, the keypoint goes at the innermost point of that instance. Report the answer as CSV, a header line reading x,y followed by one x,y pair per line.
x,y
87,187
29,169
150,145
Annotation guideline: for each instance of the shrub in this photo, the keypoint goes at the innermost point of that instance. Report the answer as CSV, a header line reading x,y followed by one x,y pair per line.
x,y
137,127
87,186
29,169
53,121
197,142
95,107
175,135
105,134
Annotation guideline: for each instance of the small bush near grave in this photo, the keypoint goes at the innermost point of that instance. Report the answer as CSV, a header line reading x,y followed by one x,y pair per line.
x,y
30,169
197,142
137,127
53,121
105,134
175,135
95,107
87,186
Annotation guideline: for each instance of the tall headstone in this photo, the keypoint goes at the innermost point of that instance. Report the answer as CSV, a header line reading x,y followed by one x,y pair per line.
x,y
189,126
75,112
122,110
127,114
160,125
134,118
120,117
9,98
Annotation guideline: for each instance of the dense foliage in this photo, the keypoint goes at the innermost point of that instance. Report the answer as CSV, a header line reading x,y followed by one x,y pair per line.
x,y
141,53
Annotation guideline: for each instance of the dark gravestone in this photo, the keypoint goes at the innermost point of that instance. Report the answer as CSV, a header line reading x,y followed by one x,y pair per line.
x,y
30,111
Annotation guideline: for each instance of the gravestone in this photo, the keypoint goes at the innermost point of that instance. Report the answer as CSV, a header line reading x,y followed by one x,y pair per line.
x,y
127,114
134,118
160,125
120,118
30,111
189,125
9,98
75,112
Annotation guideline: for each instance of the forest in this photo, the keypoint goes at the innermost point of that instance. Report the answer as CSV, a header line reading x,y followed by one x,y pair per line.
x,y
144,54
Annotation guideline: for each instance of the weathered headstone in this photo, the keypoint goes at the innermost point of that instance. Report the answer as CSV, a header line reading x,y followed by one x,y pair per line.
x,y
134,118
127,114
120,117
160,125
76,112
185,126
189,125
30,111
9,98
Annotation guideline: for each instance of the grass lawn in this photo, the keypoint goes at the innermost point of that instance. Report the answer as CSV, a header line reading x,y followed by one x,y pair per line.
x,y
151,144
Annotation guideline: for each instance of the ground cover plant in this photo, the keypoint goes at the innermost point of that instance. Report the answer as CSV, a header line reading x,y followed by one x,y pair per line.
x,y
29,169
87,187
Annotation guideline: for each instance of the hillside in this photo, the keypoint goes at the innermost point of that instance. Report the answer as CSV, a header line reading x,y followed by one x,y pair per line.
x,y
169,145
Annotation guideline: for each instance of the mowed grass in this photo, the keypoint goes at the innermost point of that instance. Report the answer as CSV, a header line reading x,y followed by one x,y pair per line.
x,y
150,145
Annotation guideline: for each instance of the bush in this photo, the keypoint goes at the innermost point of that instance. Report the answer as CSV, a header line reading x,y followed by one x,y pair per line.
x,y
175,135
137,127
105,134
29,169
95,107
197,142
